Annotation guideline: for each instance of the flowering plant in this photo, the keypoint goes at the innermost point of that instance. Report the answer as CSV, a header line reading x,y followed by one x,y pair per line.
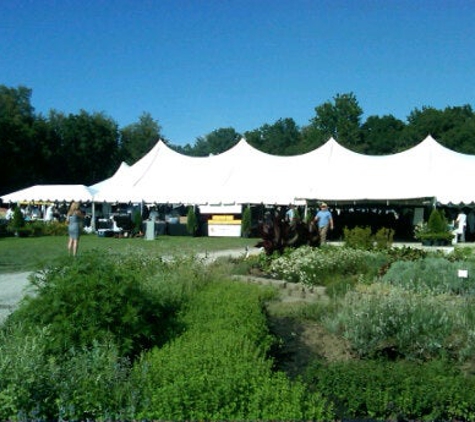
x,y
420,230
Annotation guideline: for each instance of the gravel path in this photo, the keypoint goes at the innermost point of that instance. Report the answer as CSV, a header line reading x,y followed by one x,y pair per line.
x,y
12,288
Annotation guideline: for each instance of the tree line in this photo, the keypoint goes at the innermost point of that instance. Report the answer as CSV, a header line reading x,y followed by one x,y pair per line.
x,y
86,147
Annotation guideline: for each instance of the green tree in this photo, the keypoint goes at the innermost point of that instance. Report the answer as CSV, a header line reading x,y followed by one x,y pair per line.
x,y
87,144
139,138
216,142
312,138
191,221
281,138
381,135
340,119
246,222
452,127
17,148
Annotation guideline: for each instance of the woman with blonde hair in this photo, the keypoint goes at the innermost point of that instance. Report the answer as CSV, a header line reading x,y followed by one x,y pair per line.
x,y
74,220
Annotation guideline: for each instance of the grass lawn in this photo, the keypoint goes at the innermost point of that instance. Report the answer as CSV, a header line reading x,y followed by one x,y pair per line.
x,y
26,254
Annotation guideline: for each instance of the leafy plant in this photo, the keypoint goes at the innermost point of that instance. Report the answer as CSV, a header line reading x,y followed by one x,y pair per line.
x,y
94,298
363,238
246,222
191,221
55,228
401,390
394,322
137,221
358,237
437,228
17,222
218,369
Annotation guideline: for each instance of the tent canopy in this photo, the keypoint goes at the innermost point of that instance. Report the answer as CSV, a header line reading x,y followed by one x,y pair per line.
x,y
50,193
331,172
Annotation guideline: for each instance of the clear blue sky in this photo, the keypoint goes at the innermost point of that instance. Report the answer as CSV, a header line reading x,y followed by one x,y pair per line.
x,y
201,65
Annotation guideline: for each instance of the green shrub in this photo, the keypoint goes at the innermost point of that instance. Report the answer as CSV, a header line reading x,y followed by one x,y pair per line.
x,y
400,390
94,384
437,222
362,238
392,322
26,375
434,274
55,228
383,239
191,221
45,374
37,228
406,253
358,238
218,370
98,296
137,221
17,222
246,222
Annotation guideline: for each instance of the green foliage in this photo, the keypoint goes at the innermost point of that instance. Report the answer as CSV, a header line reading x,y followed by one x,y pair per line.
x,y
400,390
340,119
137,222
406,253
362,238
437,228
94,297
191,221
80,384
37,228
246,222
436,275
383,239
94,384
358,238
26,375
390,321
55,228
218,370
319,266
138,138
17,222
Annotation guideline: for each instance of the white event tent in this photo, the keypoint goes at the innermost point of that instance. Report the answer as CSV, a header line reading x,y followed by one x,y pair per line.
x,y
245,175
50,193
333,173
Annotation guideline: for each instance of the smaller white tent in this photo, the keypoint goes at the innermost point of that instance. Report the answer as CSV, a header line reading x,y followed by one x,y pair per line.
x,y
50,193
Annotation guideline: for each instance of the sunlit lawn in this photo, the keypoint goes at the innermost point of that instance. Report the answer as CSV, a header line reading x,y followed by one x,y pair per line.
x,y
25,254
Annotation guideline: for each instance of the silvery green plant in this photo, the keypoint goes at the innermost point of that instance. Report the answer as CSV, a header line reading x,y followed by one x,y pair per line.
x,y
415,325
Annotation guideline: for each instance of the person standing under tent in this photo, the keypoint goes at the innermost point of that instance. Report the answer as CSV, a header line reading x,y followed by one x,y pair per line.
x,y
291,216
74,220
461,224
324,221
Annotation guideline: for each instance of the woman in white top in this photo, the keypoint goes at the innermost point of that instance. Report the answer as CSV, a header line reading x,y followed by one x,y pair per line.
x,y
461,224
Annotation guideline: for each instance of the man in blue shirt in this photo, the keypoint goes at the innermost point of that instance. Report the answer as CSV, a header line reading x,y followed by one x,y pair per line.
x,y
324,221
